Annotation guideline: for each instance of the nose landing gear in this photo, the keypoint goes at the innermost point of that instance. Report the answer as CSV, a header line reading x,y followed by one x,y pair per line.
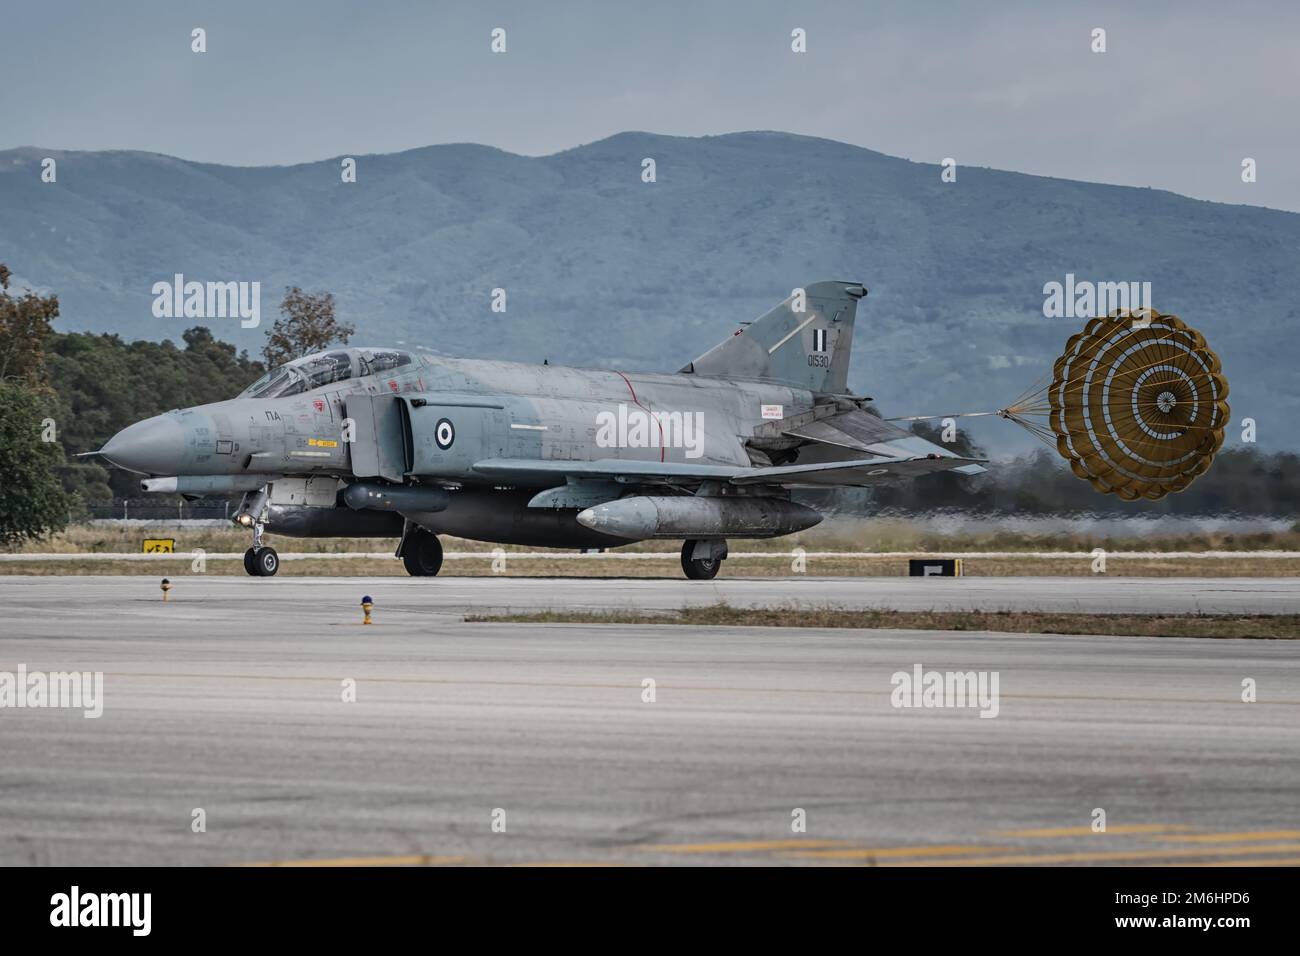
x,y
259,561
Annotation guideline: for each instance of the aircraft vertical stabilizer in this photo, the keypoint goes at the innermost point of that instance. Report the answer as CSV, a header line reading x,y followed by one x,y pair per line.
x,y
804,342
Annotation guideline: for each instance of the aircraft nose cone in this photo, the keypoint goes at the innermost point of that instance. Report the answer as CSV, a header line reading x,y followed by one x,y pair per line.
x,y
154,446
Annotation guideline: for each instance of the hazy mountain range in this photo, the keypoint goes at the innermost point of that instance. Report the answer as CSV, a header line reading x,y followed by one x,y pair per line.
x,y
601,268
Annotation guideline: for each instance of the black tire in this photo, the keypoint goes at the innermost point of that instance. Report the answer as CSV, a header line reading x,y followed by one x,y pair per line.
x,y
422,555
267,562
250,562
705,569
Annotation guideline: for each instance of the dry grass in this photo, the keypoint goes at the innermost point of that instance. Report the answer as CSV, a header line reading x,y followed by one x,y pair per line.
x,y
126,539
1263,626
894,534
872,534
881,534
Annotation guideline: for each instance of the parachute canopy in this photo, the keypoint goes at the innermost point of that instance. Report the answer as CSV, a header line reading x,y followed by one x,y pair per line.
x,y
1137,404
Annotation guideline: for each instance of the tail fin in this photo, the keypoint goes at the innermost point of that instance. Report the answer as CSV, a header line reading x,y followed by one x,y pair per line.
x,y
804,342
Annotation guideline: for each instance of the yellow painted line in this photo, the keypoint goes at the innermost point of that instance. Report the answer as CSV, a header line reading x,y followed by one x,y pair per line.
x,y
894,852
565,864
413,860
739,846
1283,861
1109,856
1242,836
1088,831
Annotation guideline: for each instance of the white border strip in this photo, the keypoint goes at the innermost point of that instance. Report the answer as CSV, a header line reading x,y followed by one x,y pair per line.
x,y
653,555
797,329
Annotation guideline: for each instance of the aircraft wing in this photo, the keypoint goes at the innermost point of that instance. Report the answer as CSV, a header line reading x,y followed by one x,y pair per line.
x,y
859,471
527,469
847,447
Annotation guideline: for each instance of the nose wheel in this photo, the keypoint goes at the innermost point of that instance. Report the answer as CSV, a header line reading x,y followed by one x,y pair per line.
x,y
260,561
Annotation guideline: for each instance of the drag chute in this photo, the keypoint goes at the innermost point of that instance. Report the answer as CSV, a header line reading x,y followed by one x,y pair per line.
x,y
1137,405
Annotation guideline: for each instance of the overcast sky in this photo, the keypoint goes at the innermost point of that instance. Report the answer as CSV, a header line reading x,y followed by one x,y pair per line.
x,y
1185,91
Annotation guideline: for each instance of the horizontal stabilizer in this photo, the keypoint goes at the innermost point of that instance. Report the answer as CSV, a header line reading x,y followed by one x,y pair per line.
x,y
854,429
857,430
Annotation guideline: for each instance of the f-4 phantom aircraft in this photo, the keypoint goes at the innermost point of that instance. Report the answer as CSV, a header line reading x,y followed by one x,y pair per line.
x,y
366,442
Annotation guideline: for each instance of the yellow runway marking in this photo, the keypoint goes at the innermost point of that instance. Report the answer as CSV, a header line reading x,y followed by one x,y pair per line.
x,y
1240,837
739,846
411,860
565,864
897,852
1284,861
1088,831
1107,856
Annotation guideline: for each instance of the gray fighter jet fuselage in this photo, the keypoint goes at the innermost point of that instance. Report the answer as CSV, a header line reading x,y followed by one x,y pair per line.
x,y
380,441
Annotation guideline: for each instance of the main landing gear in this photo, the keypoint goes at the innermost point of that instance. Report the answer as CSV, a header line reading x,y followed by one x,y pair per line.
x,y
701,559
421,553
261,561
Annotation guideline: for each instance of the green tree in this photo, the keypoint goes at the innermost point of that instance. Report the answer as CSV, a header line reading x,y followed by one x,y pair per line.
x,y
24,328
32,501
306,325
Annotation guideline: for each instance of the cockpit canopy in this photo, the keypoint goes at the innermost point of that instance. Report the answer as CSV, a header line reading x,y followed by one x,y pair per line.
x,y
325,368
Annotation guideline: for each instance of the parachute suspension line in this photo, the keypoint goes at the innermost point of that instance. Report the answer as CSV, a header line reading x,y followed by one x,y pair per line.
x,y
1017,413
926,418
1012,414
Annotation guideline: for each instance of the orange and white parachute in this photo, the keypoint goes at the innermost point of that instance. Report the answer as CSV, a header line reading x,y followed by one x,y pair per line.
x,y
1137,404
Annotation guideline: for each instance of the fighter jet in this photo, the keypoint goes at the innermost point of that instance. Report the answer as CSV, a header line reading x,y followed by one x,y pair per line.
x,y
369,442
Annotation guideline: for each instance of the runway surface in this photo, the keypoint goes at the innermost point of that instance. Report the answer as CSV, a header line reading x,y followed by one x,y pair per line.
x,y
229,699
459,595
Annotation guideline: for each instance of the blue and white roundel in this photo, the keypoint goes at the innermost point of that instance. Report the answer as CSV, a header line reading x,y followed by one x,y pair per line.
x,y
444,433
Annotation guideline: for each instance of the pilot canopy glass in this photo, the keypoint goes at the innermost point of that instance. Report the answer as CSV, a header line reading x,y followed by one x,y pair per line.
x,y
324,368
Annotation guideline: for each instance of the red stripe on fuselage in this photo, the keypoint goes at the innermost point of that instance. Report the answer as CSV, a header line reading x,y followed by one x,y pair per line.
x,y
636,401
